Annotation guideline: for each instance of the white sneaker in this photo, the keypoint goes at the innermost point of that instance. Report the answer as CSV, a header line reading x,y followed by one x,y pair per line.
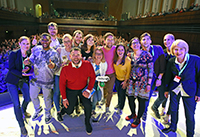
x,y
165,119
162,111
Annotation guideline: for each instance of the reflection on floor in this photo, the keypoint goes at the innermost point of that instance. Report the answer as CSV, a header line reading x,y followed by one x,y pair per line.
x,y
108,126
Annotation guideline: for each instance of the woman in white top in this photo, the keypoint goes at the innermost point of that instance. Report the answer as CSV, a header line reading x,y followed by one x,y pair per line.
x,y
64,53
100,66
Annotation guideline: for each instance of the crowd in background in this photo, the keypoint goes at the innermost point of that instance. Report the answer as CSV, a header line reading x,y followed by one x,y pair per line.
x,y
12,44
163,13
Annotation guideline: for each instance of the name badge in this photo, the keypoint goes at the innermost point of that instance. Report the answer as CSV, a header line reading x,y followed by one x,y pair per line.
x,y
177,79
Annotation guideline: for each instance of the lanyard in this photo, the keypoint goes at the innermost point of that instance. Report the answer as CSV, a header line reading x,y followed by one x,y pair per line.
x,y
179,73
152,50
23,66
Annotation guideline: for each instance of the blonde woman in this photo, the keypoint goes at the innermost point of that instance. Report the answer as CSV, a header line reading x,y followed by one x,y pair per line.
x,y
100,66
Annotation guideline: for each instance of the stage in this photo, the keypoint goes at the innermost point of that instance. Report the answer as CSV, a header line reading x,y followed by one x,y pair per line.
x,y
108,126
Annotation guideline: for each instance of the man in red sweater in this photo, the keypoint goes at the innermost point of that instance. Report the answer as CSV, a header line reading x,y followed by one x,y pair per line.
x,y
73,79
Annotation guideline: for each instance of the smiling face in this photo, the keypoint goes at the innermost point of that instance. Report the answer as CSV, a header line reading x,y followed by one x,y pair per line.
x,y
120,51
78,38
98,55
90,41
135,44
146,42
67,42
45,41
179,52
109,41
25,45
168,40
75,56
53,30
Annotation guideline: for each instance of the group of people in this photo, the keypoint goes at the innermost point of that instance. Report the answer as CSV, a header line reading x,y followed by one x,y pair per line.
x,y
193,7
70,66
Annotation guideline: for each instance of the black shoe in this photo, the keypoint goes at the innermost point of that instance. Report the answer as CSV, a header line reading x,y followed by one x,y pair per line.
x,y
167,130
59,117
156,112
23,131
77,109
88,129
27,115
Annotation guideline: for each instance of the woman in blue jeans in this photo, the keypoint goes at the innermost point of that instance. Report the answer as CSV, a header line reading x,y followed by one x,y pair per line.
x,y
17,78
64,53
100,66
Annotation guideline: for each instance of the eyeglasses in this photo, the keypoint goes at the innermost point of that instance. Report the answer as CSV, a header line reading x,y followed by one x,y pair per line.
x,y
67,41
134,43
98,54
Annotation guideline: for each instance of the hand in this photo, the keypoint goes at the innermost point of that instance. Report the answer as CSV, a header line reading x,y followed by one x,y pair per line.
x,y
51,65
27,61
66,103
158,83
25,69
166,94
86,94
34,41
124,85
197,99
148,88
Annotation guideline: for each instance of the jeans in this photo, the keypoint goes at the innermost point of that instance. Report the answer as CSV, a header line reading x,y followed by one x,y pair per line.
x,y
56,93
161,97
121,93
18,109
96,96
47,94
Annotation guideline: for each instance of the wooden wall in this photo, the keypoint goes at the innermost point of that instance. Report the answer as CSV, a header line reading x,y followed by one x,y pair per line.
x,y
183,25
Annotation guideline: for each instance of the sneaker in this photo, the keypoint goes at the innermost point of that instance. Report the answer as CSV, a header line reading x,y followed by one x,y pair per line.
x,y
27,115
48,119
116,107
144,116
165,119
59,117
135,123
107,110
36,114
77,109
93,112
128,118
23,131
155,112
119,111
102,102
88,129
162,111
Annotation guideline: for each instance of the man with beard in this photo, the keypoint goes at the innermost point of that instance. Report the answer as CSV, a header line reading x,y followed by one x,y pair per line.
x,y
77,38
109,51
46,61
73,80
53,31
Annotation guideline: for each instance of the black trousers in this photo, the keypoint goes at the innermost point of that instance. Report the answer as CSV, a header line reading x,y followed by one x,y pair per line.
x,y
141,107
72,96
